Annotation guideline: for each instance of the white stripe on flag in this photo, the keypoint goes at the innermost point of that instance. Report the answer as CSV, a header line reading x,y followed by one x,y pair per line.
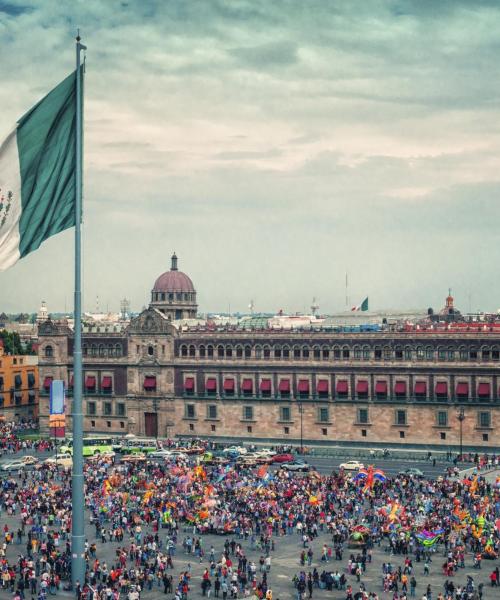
x,y
10,201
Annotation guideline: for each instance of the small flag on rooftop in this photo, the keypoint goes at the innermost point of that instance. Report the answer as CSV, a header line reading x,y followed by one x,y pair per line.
x,y
361,307
37,174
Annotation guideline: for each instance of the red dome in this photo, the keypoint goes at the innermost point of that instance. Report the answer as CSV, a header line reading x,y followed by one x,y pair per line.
x,y
173,281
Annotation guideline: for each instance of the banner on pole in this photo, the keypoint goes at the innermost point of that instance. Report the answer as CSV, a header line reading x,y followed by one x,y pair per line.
x,y
57,418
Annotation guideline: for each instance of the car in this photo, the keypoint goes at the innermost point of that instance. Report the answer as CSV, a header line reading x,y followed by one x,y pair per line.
x,y
134,458
29,460
282,458
412,471
15,465
352,465
160,454
264,453
235,450
296,465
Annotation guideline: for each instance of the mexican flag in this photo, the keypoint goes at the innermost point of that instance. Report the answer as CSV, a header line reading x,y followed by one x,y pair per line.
x,y
37,174
361,307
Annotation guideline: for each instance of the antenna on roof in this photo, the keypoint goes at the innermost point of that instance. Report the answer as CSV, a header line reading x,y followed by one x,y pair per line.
x,y
314,306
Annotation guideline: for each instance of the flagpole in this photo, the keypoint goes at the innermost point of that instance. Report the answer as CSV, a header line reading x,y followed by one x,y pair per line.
x,y
78,566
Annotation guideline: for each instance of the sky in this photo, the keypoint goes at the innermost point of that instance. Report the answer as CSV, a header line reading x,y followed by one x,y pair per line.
x,y
274,146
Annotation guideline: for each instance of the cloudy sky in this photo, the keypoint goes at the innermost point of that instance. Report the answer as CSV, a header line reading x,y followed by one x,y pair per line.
x,y
274,146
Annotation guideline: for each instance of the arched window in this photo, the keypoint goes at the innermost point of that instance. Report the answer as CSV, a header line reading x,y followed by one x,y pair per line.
x,y
229,351
286,352
267,352
366,352
239,352
118,350
377,352
325,352
346,352
49,352
357,352
485,353
201,351
85,350
277,351
220,351
387,353
258,352
111,350
495,354
210,351
93,350
398,353
429,353
441,353
103,350
192,351
305,351
184,350
296,352
451,353
316,352
336,352
408,353
463,353
420,353
248,351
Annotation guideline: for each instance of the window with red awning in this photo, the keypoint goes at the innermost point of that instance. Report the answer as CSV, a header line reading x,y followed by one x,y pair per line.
x,y
322,386
211,384
265,385
247,385
150,382
400,388
484,390
420,388
342,387
381,388
284,386
303,386
189,384
441,388
462,388
107,383
90,382
229,385
362,387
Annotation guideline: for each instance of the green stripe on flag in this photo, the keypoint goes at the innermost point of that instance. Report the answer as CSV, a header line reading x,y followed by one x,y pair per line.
x,y
46,141
364,304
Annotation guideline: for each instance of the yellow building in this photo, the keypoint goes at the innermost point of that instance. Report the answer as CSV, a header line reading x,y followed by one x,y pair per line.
x,y
18,386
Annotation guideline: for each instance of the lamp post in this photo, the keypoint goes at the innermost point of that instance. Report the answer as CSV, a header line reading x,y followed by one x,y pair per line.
x,y
461,418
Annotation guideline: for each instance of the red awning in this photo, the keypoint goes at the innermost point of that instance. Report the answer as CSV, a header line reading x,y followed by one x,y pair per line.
x,y
71,380
400,388
322,386
303,386
211,384
229,385
342,386
150,382
362,387
483,390
90,382
189,384
107,383
265,385
462,388
441,388
284,386
381,387
420,388
247,385
46,382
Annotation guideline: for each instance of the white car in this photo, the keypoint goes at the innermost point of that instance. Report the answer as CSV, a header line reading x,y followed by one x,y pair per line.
x,y
352,465
235,450
264,453
160,454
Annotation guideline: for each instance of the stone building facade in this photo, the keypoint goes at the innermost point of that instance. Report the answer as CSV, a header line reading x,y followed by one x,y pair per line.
x,y
384,387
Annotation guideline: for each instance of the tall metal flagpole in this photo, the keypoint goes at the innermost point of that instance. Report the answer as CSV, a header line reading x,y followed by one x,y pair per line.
x,y
77,494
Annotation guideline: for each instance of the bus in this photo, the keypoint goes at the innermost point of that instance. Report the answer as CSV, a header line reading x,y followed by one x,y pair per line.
x,y
137,445
91,446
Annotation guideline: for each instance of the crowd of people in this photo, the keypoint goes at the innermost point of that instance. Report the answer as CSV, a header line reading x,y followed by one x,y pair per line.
x,y
183,529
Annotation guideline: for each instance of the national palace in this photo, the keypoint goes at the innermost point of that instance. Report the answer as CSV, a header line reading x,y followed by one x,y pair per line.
x,y
159,376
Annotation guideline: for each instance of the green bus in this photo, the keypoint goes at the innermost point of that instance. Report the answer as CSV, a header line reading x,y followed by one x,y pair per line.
x,y
138,445
91,446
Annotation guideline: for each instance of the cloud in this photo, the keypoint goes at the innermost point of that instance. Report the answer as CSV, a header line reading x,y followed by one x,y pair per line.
x,y
273,145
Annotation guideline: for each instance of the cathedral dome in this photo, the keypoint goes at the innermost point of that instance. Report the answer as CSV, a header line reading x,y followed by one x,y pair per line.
x,y
173,280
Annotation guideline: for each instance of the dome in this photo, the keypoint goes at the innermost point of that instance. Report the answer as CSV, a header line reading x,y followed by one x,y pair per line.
x,y
173,280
